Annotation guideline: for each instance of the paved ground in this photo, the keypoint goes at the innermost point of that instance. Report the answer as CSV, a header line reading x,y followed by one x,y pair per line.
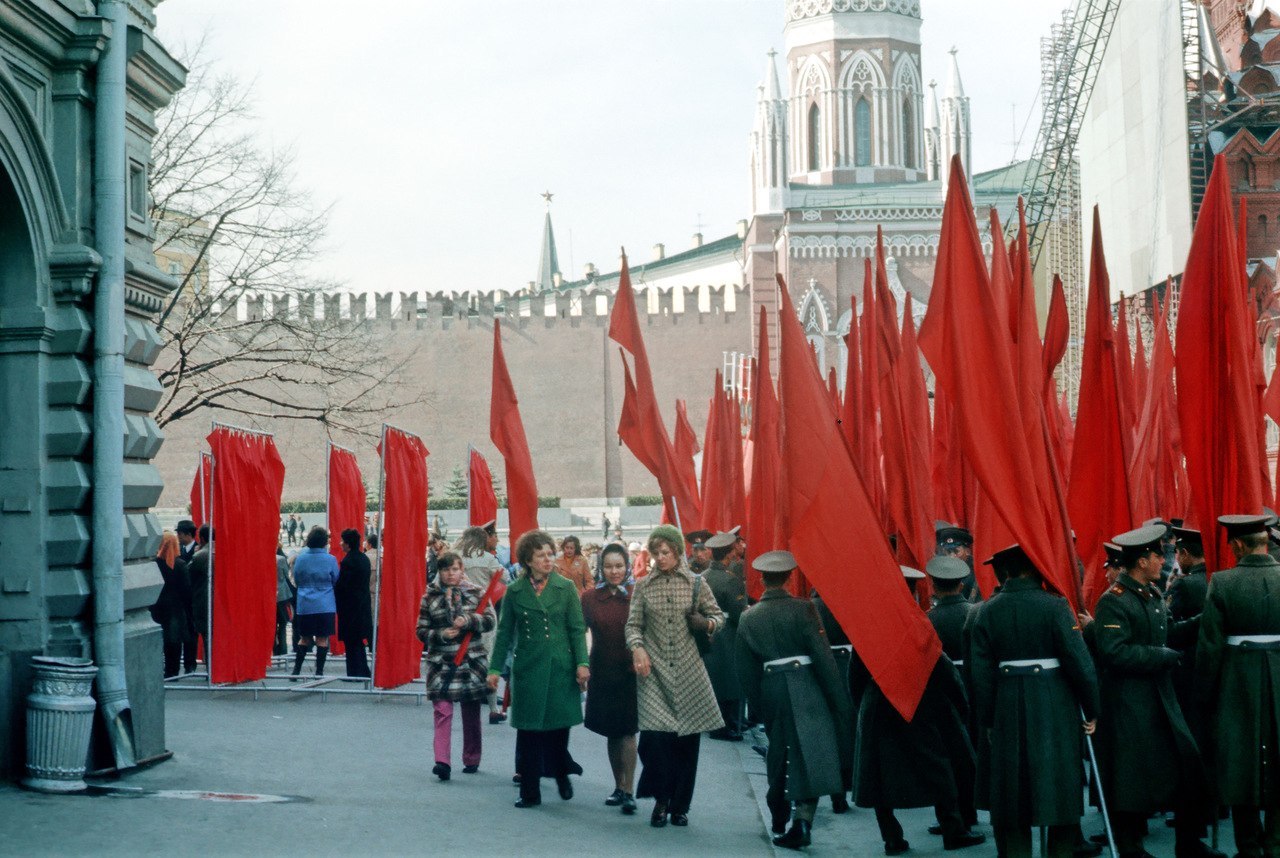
x,y
362,767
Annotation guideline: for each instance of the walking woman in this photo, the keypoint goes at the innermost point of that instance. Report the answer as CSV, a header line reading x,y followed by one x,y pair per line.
x,y
676,704
572,565
354,604
611,701
450,609
476,547
315,571
172,609
542,622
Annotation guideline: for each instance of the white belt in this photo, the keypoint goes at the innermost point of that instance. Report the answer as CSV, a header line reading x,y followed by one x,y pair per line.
x,y
1044,663
841,648
958,662
790,661
1240,640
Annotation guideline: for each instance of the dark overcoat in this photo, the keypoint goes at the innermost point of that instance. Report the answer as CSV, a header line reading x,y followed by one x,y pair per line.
x,y
1149,759
801,706
901,764
948,617
1033,720
731,595
1240,685
198,569
351,594
1185,602
547,639
172,609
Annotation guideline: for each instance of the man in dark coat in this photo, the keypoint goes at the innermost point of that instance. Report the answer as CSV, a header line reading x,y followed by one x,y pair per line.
x,y
699,553
355,607
1032,677
955,541
950,612
731,595
187,545
1150,761
1185,601
1238,680
198,570
904,764
842,652
789,676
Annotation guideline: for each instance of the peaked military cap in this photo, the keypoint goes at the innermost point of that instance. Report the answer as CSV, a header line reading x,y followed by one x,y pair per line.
x,y
734,530
953,534
697,538
1115,555
947,568
1137,542
1187,535
1274,535
774,562
722,540
909,573
1158,522
1007,555
1243,525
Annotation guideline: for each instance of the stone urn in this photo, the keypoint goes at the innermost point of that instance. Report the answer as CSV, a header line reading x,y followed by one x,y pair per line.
x,y
59,721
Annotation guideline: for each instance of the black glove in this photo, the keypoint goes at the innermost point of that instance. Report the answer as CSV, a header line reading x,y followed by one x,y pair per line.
x,y
697,623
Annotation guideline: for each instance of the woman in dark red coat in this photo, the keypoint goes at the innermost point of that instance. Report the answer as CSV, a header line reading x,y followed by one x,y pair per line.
x,y
611,696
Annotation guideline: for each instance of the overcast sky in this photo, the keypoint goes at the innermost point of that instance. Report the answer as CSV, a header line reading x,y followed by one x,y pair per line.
x,y
434,126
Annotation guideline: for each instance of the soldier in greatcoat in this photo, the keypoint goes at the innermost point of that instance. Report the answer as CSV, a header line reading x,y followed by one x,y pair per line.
x,y
789,676
1238,680
1185,602
730,591
955,541
1034,684
1150,761
950,612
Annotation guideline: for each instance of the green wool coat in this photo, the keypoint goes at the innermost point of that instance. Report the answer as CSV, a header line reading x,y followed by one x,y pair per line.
x,y
547,638
1240,686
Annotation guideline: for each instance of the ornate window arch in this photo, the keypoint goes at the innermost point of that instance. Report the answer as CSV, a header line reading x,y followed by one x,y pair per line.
x,y
907,129
861,83
812,93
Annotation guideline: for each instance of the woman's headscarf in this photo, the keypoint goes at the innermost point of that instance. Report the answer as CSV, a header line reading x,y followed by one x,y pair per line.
x,y
169,550
629,581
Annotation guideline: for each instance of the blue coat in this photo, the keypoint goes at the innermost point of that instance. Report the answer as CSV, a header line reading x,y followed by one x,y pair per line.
x,y
315,571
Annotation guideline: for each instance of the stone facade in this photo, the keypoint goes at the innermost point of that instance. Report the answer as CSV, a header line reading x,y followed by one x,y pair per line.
x,y
48,268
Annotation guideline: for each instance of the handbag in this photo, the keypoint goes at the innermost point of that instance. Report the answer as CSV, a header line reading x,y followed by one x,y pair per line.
x,y
702,639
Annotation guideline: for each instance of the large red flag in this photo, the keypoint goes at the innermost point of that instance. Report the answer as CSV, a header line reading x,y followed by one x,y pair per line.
x,y
1217,399
482,501
401,571
345,509
1151,498
679,490
629,432
968,349
248,477
871,468
1125,384
506,431
829,510
763,502
851,407
1057,331
715,469
737,463
201,486
686,440
1099,496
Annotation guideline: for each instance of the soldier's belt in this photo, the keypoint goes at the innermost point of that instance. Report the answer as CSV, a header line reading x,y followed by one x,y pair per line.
x,y
1254,641
1028,666
790,663
841,648
958,662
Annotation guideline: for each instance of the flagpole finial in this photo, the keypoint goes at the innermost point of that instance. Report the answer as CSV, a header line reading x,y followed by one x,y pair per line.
x,y
546,196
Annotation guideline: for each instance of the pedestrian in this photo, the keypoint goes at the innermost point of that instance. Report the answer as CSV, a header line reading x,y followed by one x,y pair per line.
x,y
476,545
1150,761
172,609
450,610
315,571
284,601
784,662
699,553
292,527
548,673
955,541
1237,662
1034,686
435,547
916,763
842,652
675,701
604,526
573,566
611,698
353,604
198,569
187,544
730,591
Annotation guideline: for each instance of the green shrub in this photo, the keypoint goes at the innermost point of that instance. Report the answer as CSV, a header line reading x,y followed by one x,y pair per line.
x,y
644,500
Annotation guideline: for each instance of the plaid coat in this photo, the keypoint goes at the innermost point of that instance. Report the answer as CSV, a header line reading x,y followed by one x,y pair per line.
x,y
676,696
440,606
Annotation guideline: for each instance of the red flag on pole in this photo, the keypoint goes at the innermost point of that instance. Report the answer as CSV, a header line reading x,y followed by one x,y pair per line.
x,y
715,470
506,430
482,501
763,501
1152,495
829,510
201,487
401,571
345,508
851,407
686,440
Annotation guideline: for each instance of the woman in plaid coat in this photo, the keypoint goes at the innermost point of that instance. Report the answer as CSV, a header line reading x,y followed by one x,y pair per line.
x,y
449,610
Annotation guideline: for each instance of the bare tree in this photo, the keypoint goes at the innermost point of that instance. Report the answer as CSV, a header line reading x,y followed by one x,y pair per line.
x,y
236,229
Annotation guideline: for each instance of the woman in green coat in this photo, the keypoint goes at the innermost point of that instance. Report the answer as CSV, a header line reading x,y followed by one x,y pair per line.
x,y
542,628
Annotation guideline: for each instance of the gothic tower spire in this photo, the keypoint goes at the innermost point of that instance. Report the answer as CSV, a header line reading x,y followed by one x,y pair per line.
x,y
932,134
956,134
549,260
769,144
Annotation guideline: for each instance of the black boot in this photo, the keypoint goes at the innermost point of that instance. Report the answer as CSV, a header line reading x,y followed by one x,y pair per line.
x,y
322,652
299,656
796,838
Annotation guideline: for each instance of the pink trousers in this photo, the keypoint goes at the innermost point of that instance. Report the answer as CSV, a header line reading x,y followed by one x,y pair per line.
x,y
470,731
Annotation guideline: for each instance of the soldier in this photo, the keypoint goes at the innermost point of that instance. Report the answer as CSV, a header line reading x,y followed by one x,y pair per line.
x,y
1032,679
950,612
1185,601
699,553
730,591
842,652
1237,662
957,542
790,677
1152,762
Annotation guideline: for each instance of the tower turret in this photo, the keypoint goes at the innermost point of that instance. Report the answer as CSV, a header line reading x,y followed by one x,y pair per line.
x,y
932,134
769,145
956,135
549,276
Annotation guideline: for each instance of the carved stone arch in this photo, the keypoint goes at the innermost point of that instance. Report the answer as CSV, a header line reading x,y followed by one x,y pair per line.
x,y
815,312
861,70
814,77
905,74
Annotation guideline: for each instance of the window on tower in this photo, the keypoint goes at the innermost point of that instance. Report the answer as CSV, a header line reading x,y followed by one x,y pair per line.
x,y
815,138
862,133
908,134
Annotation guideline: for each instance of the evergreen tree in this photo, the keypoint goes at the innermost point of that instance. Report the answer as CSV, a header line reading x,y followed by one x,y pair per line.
x,y
457,486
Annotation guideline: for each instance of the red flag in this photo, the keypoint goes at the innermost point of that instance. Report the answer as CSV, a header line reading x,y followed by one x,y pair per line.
x,y
968,349
482,501
763,507
871,469
201,487
1217,399
345,509
851,407
1150,497
401,582
506,430
737,463
495,591
1057,331
1125,384
1141,376
686,440
629,431
833,390
829,510
715,470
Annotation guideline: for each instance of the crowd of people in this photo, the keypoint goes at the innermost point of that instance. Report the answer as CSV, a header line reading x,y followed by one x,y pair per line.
x,y
652,646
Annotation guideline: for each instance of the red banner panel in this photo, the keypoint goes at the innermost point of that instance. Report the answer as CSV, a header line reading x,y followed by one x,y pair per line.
x,y
482,502
403,576
248,477
200,491
346,509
